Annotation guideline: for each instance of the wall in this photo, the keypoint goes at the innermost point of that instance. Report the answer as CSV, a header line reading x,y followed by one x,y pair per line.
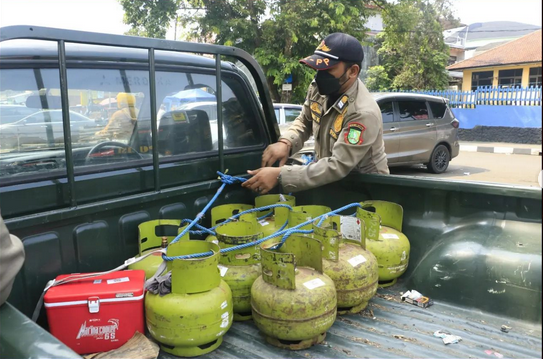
x,y
508,116
512,124
466,85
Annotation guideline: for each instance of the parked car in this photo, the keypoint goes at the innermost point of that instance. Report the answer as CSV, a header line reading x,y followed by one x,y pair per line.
x,y
13,113
44,127
285,114
417,129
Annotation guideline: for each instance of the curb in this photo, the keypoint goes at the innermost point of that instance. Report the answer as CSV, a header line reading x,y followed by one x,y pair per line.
x,y
503,150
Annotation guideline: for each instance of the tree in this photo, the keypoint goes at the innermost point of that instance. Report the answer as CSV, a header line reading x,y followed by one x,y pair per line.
x,y
149,18
377,79
413,52
276,32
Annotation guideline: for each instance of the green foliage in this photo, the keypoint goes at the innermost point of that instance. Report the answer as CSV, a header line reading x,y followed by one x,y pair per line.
x,y
413,52
377,79
149,18
278,33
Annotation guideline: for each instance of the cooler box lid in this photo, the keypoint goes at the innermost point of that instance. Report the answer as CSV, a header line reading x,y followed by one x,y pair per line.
x,y
121,285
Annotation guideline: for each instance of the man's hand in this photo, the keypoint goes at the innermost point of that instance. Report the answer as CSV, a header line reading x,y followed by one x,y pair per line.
x,y
279,151
264,179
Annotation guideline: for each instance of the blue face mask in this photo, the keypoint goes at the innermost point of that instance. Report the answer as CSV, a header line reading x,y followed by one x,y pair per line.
x,y
327,84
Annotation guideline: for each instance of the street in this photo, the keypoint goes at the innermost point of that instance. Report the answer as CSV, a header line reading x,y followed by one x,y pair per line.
x,y
485,167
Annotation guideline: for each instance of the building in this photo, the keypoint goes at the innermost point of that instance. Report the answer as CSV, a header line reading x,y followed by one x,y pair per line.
x,y
513,64
467,41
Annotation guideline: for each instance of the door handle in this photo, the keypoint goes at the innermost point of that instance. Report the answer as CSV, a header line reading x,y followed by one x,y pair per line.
x,y
429,124
392,129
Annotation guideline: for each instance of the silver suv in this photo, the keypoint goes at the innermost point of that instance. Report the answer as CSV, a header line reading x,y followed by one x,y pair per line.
x,y
418,129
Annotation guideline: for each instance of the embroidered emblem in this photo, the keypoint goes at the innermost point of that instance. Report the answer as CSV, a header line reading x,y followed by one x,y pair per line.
x,y
338,124
315,117
315,107
354,133
322,46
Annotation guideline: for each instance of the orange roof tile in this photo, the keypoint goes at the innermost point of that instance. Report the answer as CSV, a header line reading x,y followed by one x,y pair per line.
x,y
523,50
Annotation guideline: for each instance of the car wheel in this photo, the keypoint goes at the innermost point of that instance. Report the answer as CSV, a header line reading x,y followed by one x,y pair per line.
x,y
439,161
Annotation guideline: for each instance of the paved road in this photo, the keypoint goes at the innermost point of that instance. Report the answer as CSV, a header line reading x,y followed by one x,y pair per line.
x,y
486,167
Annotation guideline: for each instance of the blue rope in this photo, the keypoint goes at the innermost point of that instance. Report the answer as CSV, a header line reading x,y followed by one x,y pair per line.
x,y
252,210
265,216
282,232
225,179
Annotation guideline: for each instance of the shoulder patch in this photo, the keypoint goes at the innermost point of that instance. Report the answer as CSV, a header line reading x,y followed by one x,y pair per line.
x,y
354,132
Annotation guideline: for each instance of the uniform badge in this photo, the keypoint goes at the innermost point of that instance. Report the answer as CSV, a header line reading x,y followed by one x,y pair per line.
x,y
354,133
316,111
342,101
338,124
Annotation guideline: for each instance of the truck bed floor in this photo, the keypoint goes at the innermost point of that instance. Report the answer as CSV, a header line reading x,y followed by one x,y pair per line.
x,y
389,328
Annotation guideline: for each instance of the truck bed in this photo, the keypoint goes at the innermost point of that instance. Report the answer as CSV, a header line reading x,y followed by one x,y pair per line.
x,y
389,328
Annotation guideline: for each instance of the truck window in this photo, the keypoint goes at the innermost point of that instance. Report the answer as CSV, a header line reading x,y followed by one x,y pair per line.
x,y
110,118
188,122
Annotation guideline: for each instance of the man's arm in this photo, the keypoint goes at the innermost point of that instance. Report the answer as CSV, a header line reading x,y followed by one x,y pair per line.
x,y
347,152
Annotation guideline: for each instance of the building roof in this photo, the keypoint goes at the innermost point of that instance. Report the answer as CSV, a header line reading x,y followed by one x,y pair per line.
x,y
526,49
481,33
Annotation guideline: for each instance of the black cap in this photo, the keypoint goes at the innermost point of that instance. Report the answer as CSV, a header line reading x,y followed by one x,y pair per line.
x,y
334,48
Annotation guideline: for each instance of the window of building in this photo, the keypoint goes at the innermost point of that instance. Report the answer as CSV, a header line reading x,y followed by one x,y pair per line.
x,y
510,78
535,76
413,110
387,111
482,78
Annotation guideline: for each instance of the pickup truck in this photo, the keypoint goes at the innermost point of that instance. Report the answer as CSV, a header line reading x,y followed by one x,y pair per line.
x,y
475,247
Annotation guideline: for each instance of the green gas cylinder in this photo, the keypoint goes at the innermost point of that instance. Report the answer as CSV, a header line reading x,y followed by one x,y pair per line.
x,y
353,269
241,267
193,318
293,301
301,214
384,238
221,213
276,217
148,240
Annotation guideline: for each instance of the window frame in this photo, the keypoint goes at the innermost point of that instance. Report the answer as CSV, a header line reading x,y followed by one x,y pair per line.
x,y
515,78
538,77
62,173
473,74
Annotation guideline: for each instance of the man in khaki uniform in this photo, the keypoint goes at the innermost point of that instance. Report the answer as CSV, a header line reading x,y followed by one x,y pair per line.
x,y
342,116
12,256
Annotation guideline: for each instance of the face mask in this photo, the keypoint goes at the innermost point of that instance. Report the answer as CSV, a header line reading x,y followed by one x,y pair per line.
x,y
327,84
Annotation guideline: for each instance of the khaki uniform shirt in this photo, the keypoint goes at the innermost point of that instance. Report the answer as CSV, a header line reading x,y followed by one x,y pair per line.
x,y
348,136
12,256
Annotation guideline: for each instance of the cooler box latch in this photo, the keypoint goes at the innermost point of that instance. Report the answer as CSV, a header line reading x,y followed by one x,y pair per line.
x,y
94,304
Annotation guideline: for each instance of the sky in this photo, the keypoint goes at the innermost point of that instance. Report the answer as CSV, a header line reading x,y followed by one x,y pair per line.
x,y
106,16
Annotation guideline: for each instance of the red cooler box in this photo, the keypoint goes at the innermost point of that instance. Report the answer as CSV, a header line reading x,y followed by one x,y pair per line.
x,y
97,314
